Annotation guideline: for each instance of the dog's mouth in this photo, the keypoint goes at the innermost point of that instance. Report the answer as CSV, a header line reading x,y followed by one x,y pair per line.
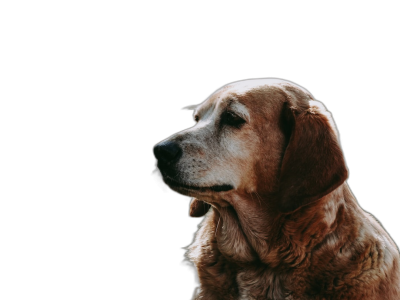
x,y
173,184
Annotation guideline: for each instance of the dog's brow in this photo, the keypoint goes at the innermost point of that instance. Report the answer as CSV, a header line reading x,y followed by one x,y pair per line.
x,y
203,109
240,109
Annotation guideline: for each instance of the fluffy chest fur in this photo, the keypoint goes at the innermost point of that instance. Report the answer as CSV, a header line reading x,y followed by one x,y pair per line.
x,y
342,254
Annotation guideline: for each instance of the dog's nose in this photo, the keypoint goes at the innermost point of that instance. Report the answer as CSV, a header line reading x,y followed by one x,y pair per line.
x,y
167,152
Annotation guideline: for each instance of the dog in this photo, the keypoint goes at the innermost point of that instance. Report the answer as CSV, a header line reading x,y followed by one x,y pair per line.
x,y
263,163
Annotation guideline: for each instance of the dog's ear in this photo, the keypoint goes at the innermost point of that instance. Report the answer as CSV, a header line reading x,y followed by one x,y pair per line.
x,y
198,208
313,164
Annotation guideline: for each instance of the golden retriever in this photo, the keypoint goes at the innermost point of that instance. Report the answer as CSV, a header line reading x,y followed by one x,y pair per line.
x,y
264,164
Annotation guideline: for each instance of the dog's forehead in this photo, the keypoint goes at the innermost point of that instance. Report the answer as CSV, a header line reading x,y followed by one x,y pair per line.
x,y
236,92
244,86
231,93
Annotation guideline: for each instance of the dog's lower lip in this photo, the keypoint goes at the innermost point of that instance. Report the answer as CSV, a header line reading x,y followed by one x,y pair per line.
x,y
221,188
215,188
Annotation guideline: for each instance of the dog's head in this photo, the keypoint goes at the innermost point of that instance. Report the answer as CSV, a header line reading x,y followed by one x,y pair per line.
x,y
264,136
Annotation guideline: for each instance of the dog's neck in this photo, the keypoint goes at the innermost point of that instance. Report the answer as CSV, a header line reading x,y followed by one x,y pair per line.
x,y
257,252
251,230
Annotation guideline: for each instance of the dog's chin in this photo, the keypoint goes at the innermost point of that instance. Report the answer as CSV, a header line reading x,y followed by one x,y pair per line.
x,y
196,190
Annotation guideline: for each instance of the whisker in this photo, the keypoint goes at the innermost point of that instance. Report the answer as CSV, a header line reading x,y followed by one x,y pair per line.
x,y
215,234
253,198
258,196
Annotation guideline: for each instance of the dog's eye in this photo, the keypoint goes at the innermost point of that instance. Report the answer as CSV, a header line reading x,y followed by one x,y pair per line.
x,y
196,118
232,119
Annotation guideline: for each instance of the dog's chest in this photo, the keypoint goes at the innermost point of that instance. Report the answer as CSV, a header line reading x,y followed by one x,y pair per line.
x,y
260,284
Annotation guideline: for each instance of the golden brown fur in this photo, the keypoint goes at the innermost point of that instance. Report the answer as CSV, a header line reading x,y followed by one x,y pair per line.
x,y
265,166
